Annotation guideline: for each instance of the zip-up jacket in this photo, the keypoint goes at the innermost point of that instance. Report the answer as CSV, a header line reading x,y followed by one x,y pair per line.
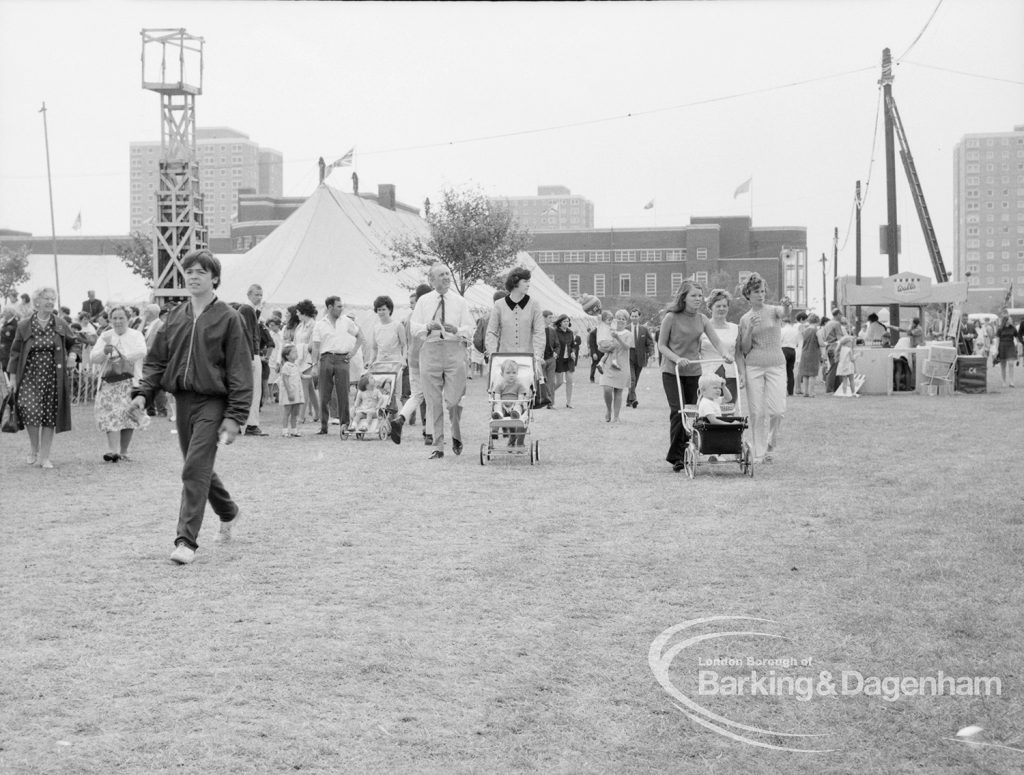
x,y
208,355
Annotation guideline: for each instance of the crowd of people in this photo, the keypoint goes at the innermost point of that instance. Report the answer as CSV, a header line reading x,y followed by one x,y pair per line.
x,y
216,369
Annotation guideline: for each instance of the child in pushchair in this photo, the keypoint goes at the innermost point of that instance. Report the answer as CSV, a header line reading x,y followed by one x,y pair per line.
x,y
370,404
510,393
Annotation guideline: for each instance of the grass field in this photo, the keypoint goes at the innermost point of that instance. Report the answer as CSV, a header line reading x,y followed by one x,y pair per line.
x,y
379,612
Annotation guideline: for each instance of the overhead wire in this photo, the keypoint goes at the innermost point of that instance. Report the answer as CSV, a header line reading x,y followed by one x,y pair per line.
x,y
925,27
871,166
963,72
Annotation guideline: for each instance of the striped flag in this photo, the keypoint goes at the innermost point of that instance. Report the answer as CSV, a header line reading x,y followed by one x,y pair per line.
x,y
649,205
77,225
344,161
743,187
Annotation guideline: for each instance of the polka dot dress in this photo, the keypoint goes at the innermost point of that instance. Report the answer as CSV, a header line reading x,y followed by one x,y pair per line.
x,y
37,391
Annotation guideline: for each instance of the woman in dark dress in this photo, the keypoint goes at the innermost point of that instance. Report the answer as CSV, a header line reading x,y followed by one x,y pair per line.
x,y
566,356
38,367
1006,355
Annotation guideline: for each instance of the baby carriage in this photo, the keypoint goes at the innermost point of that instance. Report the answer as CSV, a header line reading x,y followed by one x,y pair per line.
x,y
711,444
510,396
377,425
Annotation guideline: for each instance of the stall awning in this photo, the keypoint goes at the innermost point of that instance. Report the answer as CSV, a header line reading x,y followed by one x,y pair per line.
x,y
907,289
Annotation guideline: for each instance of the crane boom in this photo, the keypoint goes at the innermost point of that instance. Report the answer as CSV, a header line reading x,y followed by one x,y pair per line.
x,y
941,275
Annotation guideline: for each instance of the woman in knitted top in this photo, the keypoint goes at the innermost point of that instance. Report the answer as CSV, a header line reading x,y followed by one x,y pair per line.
x,y
764,367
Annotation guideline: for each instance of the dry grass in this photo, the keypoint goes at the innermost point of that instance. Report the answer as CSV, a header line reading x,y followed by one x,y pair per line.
x,y
379,612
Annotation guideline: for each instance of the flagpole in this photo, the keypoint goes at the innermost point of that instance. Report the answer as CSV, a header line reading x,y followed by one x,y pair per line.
x,y
751,201
53,226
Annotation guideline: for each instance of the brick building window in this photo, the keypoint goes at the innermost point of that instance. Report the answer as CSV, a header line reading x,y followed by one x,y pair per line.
x,y
677,282
702,254
624,286
599,285
574,285
650,284
600,256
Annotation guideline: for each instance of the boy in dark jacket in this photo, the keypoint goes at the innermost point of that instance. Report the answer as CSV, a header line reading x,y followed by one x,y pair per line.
x,y
201,356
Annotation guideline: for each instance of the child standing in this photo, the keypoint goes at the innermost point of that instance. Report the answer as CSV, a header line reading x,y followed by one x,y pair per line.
x,y
292,397
844,369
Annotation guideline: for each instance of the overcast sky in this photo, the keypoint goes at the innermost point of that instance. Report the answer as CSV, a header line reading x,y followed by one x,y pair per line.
x,y
622,103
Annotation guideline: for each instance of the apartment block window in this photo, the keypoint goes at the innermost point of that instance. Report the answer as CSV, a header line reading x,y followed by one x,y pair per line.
x,y
624,286
599,285
702,254
574,285
650,284
600,257
972,230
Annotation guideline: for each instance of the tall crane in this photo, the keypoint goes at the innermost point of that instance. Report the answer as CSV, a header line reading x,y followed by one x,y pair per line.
x,y
894,122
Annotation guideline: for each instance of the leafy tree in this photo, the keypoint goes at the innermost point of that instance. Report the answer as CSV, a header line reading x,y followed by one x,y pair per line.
x,y
138,256
13,268
475,238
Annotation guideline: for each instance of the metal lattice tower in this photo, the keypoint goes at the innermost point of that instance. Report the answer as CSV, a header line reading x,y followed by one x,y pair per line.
x,y
172,66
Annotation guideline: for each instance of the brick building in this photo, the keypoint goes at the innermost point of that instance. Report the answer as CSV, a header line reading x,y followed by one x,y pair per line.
x,y
715,251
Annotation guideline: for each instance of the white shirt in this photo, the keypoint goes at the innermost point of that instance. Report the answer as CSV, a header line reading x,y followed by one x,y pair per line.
x,y
790,336
456,313
335,337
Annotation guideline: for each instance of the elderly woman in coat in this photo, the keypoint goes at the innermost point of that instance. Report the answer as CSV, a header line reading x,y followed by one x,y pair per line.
x,y
40,377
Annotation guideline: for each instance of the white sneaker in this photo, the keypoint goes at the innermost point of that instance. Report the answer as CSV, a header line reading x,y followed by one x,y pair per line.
x,y
224,534
182,555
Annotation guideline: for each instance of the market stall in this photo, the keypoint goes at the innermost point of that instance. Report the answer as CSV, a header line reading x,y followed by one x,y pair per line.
x,y
905,289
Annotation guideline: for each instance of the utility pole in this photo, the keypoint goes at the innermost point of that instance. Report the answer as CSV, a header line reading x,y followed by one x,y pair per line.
x,y
53,226
857,204
824,287
892,232
835,265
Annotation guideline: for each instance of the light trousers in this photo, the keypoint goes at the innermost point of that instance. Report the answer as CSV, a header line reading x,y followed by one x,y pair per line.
x,y
443,381
766,406
257,391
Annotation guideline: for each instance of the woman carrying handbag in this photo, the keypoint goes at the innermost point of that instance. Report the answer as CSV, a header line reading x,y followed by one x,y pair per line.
x,y
120,349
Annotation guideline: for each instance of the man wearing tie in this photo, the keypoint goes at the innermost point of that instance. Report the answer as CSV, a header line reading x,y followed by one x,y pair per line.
x,y
638,354
441,320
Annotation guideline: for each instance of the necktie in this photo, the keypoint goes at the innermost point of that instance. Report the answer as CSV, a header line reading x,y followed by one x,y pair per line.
x,y
440,308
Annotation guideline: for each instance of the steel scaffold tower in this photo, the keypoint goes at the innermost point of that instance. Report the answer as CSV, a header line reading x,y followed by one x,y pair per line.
x,y
172,66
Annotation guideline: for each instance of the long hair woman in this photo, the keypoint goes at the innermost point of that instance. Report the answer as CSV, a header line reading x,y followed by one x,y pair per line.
x,y
679,344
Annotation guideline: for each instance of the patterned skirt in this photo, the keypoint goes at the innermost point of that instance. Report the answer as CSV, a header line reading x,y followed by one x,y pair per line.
x,y
113,405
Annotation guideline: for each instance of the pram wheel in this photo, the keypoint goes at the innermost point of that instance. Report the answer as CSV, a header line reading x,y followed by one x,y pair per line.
x,y
535,452
747,460
689,461
485,454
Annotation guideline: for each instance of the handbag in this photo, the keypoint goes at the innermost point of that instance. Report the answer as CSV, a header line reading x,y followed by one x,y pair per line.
x,y
9,421
117,370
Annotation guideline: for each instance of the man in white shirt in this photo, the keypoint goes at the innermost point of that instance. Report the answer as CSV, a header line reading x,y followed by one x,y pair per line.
x,y
335,341
443,323
790,341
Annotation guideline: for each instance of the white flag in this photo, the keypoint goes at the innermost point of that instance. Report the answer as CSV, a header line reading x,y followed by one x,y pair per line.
x,y
743,187
77,226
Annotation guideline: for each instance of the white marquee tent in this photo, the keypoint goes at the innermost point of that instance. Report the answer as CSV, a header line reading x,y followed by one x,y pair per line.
x,y
332,244
107,275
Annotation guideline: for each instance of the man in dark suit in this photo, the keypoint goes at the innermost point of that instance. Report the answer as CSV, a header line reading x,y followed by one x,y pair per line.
x,y
639,353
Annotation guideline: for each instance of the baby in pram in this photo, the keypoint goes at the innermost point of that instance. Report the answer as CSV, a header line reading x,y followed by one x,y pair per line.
x,y
370,401
510,390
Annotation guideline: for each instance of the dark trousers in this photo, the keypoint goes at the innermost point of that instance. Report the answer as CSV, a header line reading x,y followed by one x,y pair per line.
x,y
790,354
198,421
334,378
678,437
833,364
593,364
549,379
634,376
